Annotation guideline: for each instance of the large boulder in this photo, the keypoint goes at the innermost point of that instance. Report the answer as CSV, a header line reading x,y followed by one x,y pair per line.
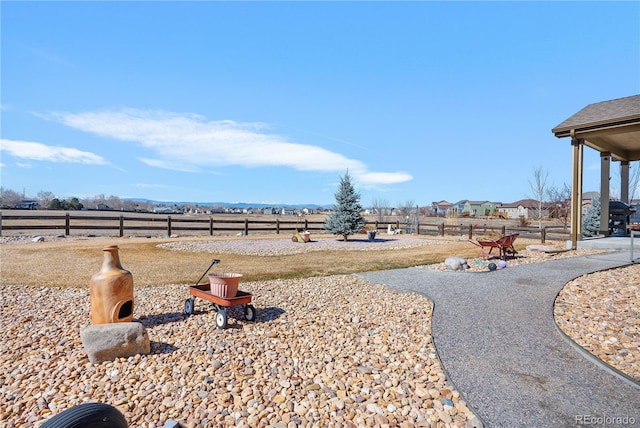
x,y
456,263
106,342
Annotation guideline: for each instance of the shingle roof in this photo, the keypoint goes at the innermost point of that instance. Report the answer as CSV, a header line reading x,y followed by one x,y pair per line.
x,y
609,126
527,203
604,112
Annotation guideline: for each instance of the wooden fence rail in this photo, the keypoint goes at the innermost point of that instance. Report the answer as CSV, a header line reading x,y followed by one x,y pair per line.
x,y
211,225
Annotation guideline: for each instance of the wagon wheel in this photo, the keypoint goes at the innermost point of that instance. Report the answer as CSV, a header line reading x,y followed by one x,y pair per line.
x,y
221,318
188,306
250,313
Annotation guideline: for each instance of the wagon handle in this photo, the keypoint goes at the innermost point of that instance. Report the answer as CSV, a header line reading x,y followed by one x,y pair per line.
x,y
213,262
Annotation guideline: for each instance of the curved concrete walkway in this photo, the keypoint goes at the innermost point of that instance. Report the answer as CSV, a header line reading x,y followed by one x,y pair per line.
x,y
499,345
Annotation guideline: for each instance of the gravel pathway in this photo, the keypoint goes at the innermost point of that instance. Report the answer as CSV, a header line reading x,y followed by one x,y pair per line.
x,y
495,335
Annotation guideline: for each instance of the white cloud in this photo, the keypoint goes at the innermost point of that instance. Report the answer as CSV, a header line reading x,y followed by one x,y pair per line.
x,y
168,164
385,177
188,142
151,186
42,152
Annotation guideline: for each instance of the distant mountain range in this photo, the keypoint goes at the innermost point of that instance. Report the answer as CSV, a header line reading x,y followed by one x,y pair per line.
x,y
228,204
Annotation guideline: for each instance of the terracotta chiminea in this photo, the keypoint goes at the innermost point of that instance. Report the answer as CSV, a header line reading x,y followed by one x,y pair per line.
x,y
111,290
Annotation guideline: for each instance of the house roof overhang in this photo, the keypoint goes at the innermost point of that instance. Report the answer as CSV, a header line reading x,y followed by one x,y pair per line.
x,y
609,126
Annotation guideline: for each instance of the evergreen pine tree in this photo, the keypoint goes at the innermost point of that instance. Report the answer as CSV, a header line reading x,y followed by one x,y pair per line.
x,y
591,219
345,219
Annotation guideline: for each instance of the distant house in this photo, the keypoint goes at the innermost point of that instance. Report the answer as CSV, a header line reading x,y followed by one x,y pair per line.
x,y
459,207
475,208
442,208
104,207
484,208
525,208
27,204
518,209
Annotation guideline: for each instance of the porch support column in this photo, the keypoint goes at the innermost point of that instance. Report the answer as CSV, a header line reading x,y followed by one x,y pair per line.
x,y
605,174
624,181
576,191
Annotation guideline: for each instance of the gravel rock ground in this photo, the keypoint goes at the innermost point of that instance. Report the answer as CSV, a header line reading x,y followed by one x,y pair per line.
x,y
523,257
329,351
283,247
600,312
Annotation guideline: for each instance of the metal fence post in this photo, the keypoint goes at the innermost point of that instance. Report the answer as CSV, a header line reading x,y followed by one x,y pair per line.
x,y
631,252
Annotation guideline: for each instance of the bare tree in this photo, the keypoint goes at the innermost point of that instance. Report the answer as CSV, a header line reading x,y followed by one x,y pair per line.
x,y
539,189
115,202
560,203
45,198
128,205
404,209
381,207
9,198
92,202
634,182
404,213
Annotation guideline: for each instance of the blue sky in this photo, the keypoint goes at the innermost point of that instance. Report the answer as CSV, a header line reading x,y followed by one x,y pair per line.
x,y
272,102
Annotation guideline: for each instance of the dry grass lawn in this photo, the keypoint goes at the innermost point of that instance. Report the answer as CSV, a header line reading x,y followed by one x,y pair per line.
x,y
72,263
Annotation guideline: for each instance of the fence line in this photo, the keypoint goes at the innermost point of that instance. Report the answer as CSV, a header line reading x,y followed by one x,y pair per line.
x,y
246,226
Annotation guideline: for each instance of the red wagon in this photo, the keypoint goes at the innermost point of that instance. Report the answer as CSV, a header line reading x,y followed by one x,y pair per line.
x,y
221,304
503,244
